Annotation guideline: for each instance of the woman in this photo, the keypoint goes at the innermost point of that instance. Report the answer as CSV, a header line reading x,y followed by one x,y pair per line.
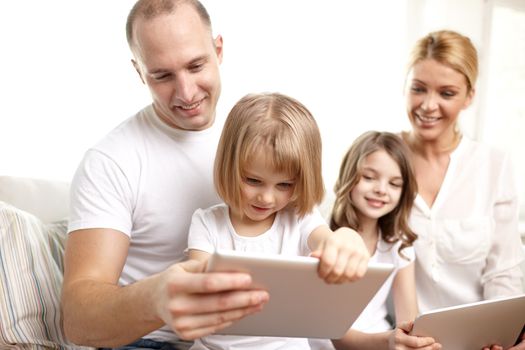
x,y
466,212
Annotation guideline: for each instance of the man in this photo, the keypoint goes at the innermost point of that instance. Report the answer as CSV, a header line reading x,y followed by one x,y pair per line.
x,y
134,193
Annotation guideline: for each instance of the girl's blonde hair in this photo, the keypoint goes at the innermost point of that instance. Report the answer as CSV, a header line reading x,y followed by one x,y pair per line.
x,y
394,225
286,132
451,49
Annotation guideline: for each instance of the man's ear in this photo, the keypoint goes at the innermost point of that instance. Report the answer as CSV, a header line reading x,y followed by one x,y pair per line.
x,y
218,47
137,68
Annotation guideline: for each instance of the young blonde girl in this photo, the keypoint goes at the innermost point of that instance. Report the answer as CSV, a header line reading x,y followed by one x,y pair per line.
x,y
268,172
374,195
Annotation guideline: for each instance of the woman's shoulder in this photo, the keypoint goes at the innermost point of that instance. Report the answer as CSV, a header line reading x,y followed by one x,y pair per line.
x,y
480,146
483,151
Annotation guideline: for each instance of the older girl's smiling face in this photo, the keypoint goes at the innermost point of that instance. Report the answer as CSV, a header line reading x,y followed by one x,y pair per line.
x,y
379,188
436,94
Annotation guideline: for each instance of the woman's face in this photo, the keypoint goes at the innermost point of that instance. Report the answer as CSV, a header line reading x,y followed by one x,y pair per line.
x,y
436,94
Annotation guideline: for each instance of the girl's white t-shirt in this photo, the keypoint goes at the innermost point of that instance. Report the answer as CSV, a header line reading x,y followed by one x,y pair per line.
x,y
212,228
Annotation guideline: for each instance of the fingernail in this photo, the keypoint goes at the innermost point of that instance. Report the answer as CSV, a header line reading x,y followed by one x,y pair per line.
x,y
245,279
262,297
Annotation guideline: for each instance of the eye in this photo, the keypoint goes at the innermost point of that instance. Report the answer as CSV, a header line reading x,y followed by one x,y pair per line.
x,y
396,184
367,177
417,89
162,77
252,181
448,94
285,185
196,67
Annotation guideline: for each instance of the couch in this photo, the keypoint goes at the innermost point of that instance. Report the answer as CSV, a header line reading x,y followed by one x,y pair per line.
x,y
33,228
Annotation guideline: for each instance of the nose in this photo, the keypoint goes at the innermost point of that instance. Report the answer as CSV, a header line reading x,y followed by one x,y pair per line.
x,y
380,187
429,102
265,196
185,88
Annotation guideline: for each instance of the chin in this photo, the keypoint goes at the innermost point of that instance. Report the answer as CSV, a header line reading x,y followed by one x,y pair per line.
x,y
426,133
200,124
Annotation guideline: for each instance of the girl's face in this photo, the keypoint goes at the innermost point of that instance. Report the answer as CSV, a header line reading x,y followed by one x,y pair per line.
x,y
379,189
436,94
264,191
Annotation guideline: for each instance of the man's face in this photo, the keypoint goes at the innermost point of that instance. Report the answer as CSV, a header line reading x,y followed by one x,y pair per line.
x,y
177,58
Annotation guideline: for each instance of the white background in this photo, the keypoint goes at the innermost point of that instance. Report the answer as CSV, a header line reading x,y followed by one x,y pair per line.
x,y
66,77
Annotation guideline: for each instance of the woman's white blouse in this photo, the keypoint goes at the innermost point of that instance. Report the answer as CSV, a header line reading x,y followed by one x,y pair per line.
x,y
469,248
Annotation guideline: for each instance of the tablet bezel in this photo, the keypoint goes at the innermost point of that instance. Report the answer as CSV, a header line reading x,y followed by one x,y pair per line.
x,y
301,304
474,325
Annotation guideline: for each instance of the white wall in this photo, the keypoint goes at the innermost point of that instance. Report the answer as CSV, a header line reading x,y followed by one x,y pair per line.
x,y
65,81
66,77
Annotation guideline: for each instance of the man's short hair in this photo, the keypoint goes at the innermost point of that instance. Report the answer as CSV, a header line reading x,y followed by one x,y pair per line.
x,y
149,9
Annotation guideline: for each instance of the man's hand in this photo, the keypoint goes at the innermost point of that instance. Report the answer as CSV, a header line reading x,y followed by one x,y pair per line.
x,y
195,304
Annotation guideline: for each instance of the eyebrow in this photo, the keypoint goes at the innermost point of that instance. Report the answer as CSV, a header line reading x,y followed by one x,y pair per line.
x,y
375,172
441,87
202,58
158,71
256,176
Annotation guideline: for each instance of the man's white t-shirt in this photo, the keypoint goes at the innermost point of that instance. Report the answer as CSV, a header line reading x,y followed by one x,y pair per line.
x,y
145,179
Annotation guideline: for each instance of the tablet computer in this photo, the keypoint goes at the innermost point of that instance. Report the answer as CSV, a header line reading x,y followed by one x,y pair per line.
x,y
301,304
474,325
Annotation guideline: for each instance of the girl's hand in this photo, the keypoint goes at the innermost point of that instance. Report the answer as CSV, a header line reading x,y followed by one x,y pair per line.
x,y
343,256
519,346
400,339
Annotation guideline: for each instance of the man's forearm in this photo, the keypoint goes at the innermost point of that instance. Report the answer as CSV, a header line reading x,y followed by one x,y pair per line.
x,y
98,314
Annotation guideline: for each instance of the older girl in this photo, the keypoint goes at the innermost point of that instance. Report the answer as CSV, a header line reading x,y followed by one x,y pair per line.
x,y
374,195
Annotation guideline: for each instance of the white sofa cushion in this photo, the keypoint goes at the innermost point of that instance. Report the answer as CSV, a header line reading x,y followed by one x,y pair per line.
x,y
48,200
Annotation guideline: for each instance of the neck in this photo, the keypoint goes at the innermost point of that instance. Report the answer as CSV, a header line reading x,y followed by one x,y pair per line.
x,y
369,232
433,148
246,227
368,228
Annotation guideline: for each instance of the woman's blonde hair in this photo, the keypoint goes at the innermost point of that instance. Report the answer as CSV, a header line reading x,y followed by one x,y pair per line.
x,y
451,49
394,225
286,132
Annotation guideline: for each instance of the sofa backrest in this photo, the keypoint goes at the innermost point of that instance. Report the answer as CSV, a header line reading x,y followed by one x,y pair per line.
x,y
46,199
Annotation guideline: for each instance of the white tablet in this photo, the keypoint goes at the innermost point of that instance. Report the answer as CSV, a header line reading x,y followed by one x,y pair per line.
x,y
301,304
474,325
